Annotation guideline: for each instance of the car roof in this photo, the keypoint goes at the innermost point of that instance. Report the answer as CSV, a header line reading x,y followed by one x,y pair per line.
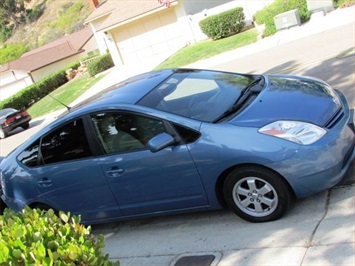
x,y
126,92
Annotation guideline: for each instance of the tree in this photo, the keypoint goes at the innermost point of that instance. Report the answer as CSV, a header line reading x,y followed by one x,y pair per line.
x,y
13,11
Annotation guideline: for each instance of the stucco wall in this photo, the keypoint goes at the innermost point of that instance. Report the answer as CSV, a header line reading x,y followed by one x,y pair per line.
x,y
12,82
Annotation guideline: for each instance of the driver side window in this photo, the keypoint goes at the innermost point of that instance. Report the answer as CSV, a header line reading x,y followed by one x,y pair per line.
x,y
121,132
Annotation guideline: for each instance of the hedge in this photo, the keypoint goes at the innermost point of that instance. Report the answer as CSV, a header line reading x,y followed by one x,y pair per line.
x,y
35,92
37,237
224,24
100,64
267,14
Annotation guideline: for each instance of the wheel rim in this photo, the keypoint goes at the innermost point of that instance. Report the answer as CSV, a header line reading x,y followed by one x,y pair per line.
x,y
2,134
255,196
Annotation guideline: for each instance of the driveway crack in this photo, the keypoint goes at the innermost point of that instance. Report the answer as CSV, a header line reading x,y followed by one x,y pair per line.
x,y
310,241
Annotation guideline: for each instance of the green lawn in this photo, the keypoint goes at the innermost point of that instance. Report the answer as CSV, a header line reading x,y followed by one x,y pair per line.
x,y
209,48
76,87
65,94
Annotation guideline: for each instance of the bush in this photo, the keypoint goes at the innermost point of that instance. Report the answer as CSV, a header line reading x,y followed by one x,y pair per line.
x,y
224,24
100,64
6,32
344,3
35,92
12,52
33,14
266,15
37,237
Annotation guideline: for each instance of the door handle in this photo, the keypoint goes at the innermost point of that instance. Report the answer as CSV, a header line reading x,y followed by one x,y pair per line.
x,y
115,172
45,182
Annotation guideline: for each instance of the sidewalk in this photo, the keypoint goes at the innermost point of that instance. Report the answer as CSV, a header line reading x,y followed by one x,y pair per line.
x,y
319,230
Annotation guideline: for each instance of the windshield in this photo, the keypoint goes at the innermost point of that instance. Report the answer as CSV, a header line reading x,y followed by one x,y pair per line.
x,y
198,94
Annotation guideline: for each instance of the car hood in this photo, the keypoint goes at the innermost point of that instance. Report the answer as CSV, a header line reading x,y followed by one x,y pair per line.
x,y
291,98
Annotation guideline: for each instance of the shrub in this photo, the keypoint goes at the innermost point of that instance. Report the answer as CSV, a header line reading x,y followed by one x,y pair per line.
x,y
6,32
35,92
100,64
266,15
11,52
37,237
33,14
224,24
344,3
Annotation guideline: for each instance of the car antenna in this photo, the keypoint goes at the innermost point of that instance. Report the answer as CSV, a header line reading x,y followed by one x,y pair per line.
x,y
68,107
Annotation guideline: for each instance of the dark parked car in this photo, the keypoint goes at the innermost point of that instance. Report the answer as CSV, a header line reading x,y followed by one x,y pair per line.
x,y
11,118
182,140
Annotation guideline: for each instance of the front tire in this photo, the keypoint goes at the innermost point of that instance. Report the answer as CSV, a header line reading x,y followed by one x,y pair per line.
x,y
2,206
3,134
256,194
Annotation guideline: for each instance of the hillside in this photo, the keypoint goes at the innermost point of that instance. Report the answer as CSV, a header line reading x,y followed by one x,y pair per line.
x,y
59,18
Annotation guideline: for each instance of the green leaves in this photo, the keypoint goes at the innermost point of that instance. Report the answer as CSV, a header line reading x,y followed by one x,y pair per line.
x,y
37,237
11,51
35,91
224,24
267,14
100,64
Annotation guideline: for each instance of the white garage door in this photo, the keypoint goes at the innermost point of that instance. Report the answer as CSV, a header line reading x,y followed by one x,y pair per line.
x,y
152,38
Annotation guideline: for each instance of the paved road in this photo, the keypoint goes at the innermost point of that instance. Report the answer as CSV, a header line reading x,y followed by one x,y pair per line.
x,y
327,55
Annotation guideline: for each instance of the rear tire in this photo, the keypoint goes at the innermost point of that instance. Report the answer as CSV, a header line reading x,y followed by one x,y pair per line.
x,y
26,126
256,194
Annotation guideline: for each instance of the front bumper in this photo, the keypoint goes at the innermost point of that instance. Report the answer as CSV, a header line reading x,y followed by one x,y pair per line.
x,y
323,164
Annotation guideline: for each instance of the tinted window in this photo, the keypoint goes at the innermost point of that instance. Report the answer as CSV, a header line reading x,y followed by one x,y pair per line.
x,y
125,132
29,156
69,142
188,135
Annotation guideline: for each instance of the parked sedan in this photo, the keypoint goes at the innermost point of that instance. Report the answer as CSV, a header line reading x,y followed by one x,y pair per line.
x,y
182,140
11,119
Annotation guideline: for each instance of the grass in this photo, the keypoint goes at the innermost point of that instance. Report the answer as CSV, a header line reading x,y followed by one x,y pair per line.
x,y
76,87
65,94
209,48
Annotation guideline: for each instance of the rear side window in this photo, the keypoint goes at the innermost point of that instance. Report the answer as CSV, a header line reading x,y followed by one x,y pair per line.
x,y
66,143
69,142
29,156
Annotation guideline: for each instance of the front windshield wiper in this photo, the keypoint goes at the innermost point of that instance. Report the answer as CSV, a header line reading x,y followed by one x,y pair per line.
x,y
244,95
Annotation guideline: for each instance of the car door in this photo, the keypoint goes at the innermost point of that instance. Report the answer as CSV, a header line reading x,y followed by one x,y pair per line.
x,y
142,181
68,177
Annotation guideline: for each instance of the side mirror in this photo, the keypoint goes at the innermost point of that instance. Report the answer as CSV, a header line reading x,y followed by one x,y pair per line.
x,y
160,141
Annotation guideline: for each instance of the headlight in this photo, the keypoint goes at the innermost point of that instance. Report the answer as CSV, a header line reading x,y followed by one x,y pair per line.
x,y
298,132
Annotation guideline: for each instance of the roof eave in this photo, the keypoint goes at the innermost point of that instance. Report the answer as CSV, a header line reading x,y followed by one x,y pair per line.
x,y
108,28
98,17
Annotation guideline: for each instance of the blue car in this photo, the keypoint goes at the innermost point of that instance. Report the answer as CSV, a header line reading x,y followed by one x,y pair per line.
x,y
182,140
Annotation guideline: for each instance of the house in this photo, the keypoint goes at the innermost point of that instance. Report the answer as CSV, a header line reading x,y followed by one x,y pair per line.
x,y
38,63
138,32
